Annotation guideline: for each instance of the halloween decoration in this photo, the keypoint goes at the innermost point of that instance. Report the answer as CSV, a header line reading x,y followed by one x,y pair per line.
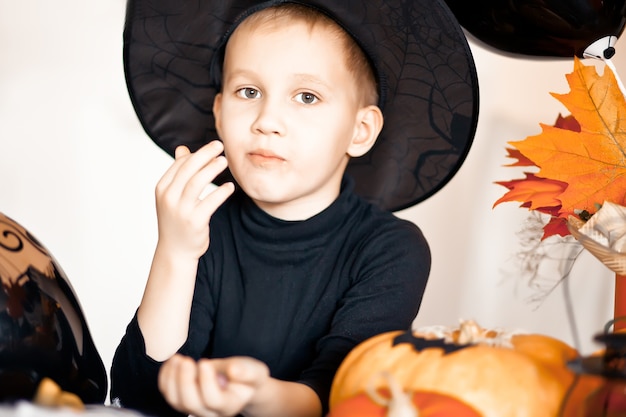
x,y
554,28
497,373
579,168
610,363
604,236
394,402
43,333
50,395
581,157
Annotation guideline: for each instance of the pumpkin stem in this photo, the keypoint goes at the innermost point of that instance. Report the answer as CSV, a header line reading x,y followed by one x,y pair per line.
x,y
399,405
469,332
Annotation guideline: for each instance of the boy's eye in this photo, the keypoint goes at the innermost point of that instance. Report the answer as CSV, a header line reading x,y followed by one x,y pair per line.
x,y
248,92
306,98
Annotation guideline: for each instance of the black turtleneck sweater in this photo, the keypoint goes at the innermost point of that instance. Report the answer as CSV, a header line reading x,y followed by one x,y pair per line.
x,y
297,295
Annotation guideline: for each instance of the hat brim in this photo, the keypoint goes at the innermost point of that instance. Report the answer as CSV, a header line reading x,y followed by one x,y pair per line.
x,y
425,69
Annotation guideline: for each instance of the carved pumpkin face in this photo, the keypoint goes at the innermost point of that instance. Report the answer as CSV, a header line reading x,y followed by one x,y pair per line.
x,y
526,376
427,404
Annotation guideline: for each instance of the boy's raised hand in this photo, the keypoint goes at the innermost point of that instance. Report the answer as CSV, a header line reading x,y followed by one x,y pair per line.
x,y
183,216
211,387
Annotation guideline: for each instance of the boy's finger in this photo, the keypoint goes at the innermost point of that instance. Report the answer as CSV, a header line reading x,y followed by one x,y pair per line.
x,y
196,160
173,379
206,175
211,388
167,382
181,151
188,394
187,164
216,198
243,370
171,172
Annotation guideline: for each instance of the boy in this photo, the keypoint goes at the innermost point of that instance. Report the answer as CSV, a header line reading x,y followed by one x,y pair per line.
x,y
256,295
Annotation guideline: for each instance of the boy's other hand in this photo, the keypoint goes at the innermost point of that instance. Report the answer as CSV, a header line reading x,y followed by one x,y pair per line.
x,y
211,387
184,209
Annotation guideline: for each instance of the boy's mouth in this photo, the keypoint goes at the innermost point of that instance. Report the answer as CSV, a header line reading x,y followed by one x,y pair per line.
x,y
264,157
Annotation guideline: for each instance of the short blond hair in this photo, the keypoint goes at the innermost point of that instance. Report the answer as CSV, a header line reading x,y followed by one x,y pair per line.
x,y
357,61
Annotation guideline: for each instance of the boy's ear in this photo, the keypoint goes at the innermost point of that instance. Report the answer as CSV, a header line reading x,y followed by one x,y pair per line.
x,y
217,108
368,124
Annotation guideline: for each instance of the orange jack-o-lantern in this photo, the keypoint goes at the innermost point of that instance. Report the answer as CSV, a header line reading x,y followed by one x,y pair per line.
x,y
394,402
496,373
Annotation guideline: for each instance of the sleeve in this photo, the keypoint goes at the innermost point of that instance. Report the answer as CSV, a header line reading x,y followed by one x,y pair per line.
x,y
386,290
134,376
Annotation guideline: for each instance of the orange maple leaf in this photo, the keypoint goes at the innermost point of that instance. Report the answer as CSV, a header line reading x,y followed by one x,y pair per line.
x,y
567,122
585,153
535,193
522,161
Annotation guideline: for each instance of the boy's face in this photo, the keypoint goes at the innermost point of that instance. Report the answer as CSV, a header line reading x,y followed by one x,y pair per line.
x,y
288,114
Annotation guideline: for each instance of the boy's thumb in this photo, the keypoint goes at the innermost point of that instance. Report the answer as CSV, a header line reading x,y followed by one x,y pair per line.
x,y
247,370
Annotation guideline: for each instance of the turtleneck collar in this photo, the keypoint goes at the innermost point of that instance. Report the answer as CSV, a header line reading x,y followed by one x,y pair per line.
x,y
270,230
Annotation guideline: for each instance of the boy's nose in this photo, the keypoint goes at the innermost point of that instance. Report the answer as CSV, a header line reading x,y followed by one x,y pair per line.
x,y
270,119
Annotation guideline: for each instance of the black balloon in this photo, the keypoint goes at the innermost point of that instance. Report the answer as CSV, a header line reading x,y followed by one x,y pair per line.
x,y
551,28
43,332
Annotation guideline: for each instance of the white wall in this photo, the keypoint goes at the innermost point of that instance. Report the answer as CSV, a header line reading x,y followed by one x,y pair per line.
x,y
78,172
